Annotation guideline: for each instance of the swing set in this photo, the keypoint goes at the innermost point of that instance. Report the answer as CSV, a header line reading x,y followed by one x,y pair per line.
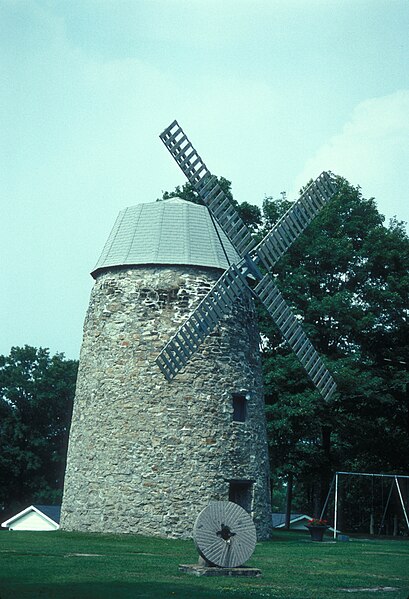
x,y
396,483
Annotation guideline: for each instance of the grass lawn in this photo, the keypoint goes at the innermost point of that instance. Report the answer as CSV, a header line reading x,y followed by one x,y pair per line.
x,y
65,565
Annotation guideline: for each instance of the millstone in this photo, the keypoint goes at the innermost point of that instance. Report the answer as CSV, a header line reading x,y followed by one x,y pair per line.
x,y
224,534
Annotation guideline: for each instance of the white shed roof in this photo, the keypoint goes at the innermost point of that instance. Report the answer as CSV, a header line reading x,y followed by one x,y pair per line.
x,y
35,517
168,232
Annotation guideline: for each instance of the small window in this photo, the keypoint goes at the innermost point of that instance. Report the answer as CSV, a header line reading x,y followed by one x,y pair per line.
x,y
239,407
241,492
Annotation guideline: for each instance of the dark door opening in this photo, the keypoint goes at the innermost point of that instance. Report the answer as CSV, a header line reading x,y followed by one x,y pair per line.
x,y
241,492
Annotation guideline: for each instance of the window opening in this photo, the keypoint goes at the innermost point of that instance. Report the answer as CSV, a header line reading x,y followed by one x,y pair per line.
x,y
239,407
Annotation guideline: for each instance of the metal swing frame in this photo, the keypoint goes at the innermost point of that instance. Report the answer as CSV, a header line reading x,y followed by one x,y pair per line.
x,y
335,482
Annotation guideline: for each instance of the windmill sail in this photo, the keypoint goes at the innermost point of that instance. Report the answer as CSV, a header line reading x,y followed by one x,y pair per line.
x,y
207,187
233,283
204,319
295,220
293,333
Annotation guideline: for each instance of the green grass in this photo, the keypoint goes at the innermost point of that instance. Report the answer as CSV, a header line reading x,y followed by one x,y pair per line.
x,y
65,565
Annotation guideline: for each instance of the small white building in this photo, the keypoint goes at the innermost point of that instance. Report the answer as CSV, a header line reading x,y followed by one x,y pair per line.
x,y
297,521
35,517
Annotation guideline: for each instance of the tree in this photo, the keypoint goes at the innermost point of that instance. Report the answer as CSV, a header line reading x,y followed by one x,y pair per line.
x,y
36,396
347,279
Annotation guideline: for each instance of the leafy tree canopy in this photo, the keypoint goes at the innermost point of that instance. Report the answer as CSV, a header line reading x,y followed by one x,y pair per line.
x,y
347,279
36,395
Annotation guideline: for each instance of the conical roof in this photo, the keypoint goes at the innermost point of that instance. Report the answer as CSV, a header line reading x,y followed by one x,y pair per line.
x,y
172,231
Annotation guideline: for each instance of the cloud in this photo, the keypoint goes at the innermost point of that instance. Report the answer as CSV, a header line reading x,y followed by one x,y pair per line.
x,y
372,151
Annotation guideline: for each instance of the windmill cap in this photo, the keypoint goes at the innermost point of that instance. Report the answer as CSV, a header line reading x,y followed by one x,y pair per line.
x,y
168,232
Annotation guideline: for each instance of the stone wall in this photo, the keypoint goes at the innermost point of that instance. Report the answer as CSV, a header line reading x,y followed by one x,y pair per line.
x,y
146,455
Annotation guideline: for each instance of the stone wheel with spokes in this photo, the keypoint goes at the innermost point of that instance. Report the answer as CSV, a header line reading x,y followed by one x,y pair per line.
x,y
224,534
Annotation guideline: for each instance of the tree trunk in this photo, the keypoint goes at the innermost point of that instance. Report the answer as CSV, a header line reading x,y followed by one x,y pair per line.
x,y
395,525
326,475
317,503
372,524
289,500
407,407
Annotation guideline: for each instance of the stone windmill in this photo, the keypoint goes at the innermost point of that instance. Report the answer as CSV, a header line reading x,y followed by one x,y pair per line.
x,y
147,452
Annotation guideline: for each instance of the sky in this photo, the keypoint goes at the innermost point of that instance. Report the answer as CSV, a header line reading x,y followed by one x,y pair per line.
x,y
271,93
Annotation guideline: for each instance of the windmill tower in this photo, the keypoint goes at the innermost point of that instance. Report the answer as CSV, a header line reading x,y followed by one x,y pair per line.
x,y
169,408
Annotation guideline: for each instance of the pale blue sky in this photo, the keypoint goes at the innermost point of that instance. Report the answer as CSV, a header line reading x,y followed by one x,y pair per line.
x,y
270,92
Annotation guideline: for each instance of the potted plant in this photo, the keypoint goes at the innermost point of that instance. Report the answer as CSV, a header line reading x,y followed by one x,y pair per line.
x,y
317,527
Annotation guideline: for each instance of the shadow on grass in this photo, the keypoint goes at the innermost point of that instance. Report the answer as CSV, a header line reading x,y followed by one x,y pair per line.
x,y
144,590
